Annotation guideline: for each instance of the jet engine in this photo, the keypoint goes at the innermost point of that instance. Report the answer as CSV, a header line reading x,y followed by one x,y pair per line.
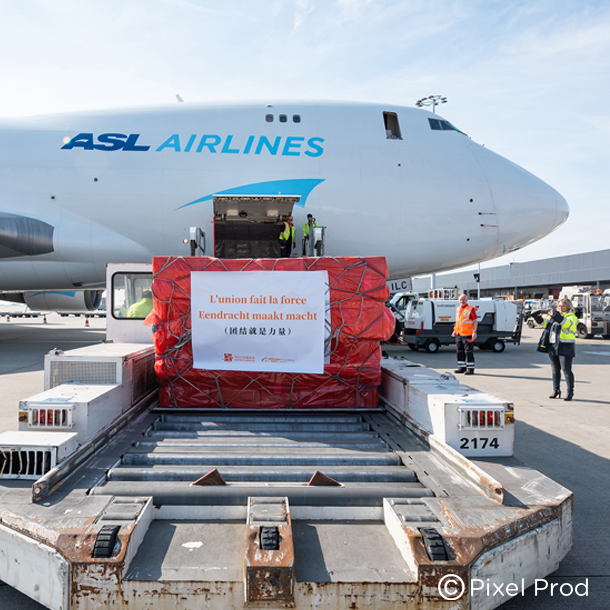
x,y
63,300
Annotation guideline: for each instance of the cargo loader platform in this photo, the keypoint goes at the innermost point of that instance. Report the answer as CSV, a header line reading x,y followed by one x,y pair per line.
x,y
274,509
143,479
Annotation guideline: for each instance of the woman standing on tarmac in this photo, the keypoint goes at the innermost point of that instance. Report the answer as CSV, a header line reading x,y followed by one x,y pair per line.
x,y
562,343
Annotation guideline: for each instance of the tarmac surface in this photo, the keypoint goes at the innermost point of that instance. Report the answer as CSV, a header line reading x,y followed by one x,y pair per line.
x,y
567,441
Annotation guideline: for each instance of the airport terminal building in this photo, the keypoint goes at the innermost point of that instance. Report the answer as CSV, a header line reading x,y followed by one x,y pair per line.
x,y
531,280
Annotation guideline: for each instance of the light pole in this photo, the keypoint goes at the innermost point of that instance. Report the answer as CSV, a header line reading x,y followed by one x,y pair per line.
x,y
477,279
431,100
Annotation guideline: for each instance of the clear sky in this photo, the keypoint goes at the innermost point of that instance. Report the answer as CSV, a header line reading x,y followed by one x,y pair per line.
x,y
529,79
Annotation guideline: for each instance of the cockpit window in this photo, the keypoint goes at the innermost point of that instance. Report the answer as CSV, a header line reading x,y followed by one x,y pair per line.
x,y
392,127
440,125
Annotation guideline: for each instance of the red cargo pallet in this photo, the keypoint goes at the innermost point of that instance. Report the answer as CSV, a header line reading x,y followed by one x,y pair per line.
x,y
359,321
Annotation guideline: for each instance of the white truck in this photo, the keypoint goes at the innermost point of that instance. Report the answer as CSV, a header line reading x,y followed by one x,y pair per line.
x,y
589,309
428,323
605,307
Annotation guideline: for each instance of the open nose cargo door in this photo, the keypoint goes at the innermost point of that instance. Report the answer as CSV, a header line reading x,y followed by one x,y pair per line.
x,y
249,226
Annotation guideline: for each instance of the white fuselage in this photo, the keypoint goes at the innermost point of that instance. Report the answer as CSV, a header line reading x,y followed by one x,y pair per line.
x,y
78,191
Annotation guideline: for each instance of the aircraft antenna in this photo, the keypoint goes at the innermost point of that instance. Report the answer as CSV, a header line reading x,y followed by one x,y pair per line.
x,y
179,98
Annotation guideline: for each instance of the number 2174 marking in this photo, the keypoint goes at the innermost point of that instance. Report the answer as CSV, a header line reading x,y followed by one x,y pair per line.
x,y
473,443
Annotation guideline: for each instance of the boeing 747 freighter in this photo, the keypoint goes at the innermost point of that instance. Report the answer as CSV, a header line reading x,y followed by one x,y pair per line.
x,y
78,191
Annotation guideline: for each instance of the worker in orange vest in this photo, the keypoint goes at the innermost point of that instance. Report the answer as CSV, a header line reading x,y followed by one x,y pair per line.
x,y
465,333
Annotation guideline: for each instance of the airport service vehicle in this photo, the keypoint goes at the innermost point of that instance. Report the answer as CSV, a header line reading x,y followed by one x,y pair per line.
x,y
107,500
84,189
428,324
605,307
96,313
587,303
18,310
530,306
398,303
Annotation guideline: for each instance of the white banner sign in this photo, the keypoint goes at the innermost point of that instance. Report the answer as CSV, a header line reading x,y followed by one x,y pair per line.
x,y
258,320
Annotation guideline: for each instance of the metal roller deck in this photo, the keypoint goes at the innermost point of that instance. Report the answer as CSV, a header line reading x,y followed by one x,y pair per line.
x,y
388,514
274,453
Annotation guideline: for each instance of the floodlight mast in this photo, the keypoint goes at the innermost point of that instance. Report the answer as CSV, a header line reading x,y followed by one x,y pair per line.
x,y
431,100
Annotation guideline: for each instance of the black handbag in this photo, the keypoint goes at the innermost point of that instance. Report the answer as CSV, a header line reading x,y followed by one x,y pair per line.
x,y
543,344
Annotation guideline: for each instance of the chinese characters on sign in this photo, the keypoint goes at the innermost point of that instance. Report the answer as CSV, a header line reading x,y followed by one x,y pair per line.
x,y
259,321
242,330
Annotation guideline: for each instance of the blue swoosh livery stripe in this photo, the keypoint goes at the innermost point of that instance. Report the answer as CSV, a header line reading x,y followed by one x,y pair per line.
x,y
298,186
64,292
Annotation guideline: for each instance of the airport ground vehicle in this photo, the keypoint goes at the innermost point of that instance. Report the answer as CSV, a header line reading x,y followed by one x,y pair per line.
x,y
336,508
428,323
587,303
604,306
22,312
18,310
96,313
530,306
400,299
398,303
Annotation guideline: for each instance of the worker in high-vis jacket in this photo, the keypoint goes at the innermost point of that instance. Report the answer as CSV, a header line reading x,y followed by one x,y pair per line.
x,y
563,325
465,333
308,228
287,238
143,307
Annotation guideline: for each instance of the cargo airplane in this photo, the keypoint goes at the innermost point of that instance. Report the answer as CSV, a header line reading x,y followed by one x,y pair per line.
x,y
78,191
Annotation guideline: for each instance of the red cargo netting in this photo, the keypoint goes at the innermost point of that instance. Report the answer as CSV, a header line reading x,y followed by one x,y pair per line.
x,y
359,321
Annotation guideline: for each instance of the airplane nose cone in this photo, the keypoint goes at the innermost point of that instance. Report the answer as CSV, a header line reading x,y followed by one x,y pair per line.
x,y
527,208
563,210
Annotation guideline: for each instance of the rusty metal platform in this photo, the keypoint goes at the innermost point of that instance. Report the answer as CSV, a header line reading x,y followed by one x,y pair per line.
x,y
257,534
